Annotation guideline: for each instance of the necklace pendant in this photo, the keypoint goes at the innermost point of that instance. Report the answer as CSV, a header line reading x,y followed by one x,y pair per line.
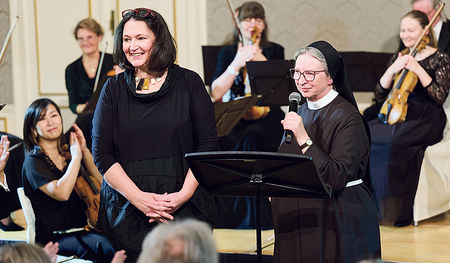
x,y
146,84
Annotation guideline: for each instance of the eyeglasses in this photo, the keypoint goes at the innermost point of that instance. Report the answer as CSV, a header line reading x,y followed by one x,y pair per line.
x,y
141,12
86,39
257,21
308,75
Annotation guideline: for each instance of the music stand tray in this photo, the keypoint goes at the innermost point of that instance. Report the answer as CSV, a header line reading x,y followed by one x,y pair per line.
x,y
246,173
272,80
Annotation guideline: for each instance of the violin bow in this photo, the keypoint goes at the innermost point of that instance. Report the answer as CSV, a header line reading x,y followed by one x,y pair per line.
x,y
438,12
99,68
8,38
235,20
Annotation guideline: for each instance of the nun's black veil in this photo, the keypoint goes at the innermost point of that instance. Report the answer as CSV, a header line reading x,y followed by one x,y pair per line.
x,y
338,72
337,69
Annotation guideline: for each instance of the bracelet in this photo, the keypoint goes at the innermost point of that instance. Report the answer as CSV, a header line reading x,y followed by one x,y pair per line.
x,y
232,71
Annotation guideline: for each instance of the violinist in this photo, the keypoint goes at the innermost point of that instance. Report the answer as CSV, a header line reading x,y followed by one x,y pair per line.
x,y
81,74
50,173
82,82
229,83
398,149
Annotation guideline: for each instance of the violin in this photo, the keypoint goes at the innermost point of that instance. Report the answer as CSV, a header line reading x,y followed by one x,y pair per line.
x,y
255,112
395,107
88,189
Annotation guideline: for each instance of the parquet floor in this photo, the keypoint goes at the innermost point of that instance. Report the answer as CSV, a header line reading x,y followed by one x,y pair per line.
x,y
428,242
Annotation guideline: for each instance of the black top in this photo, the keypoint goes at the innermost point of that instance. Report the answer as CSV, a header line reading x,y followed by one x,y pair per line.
x,y
437,66
148,136
13,171
174,120
226,56
79,85
51,215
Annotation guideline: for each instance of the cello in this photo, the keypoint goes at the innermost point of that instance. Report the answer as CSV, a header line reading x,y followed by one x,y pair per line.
x,y
395,107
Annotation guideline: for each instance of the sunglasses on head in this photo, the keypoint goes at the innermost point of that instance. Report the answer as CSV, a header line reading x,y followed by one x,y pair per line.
x,y
141,12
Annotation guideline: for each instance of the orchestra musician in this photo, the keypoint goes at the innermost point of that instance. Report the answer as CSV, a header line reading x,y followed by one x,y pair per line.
x,y
398,149
81,74
250,134
441,26
50,175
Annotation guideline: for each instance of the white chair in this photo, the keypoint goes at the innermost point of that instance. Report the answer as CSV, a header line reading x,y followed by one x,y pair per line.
x,y
29,215
433,192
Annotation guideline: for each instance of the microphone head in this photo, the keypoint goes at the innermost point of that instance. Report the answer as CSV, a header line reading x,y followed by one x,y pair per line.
x,y
295,96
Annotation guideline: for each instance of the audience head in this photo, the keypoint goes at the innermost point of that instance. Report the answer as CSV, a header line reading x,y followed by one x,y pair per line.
x,y
45,112
412,26
188,241
23,253
163,50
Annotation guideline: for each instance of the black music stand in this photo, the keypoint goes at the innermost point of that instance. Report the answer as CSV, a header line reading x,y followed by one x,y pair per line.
x,y
245,173
272,80
228,114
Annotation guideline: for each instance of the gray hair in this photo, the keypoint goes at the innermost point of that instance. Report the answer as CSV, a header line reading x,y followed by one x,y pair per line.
x,y
187,241
23,253
315,53
435,4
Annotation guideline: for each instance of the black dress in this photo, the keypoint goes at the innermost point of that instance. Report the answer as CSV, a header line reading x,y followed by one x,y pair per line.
x,y
398,150
249,135
78,83
148,135
345,227
53,215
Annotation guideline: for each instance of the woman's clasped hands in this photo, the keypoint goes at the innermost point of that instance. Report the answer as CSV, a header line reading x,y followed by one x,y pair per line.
x,y
160,207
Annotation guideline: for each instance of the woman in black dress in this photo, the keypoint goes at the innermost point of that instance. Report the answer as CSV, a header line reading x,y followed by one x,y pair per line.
x,y
398,149
147,118
50,172
253,132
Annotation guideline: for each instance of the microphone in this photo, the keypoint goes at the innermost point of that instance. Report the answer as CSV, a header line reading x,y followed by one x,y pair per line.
x,y
294,100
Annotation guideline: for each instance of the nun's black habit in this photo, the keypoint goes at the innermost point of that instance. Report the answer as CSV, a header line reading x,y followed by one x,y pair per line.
x,y
344,228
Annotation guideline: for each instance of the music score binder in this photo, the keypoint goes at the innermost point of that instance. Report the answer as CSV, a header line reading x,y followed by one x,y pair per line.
x,y
228,114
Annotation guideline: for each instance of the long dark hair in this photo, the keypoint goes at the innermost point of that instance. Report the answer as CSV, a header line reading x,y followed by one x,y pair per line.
x,y
38,108
164,51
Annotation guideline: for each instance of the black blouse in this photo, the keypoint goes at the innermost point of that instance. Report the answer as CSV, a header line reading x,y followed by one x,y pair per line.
x,y
51,215
175,120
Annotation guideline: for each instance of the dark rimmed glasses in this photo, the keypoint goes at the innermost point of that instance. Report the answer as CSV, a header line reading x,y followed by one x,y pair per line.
x,y
308,75
141,12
